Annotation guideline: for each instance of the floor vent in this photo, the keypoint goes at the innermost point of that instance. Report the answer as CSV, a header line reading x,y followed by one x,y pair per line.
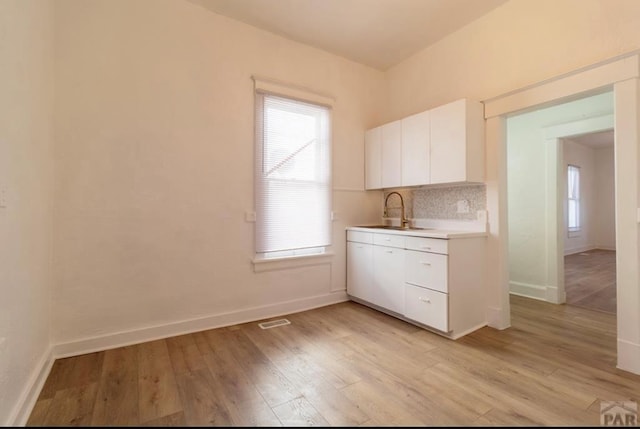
x,y
274,323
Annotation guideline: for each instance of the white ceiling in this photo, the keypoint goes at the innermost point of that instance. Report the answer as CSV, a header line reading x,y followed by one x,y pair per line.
x,y
596,140
378,33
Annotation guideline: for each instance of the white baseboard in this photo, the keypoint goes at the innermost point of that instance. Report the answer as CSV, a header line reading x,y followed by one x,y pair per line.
x,y
552,295
497,319
580,249
30,394
528,290
628,356
612,248
573,251
135,336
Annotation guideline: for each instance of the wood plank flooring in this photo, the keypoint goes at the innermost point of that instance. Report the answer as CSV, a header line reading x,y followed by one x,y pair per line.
x,y
590,280
348,365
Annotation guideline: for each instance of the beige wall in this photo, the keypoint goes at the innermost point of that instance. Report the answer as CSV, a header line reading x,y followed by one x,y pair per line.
x,y
26,161
597,176
519,43
154,118
605,235
155,152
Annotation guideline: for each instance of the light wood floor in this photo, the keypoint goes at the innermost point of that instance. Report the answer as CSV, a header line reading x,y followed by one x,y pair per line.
x,y
590,280
349,365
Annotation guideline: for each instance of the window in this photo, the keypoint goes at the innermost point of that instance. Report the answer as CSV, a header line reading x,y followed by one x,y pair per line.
x,y
293,177
573,198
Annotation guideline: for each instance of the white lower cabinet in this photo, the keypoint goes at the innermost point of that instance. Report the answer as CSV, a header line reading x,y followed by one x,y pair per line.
x,y
388,278
375,274
360,270
435,283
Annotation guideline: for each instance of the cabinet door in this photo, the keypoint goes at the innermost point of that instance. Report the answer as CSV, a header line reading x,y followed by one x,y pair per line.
x,y
373,158
391,154
415,150
360,270
448,143
388,278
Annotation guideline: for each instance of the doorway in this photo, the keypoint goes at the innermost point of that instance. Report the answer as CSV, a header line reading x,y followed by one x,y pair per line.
x,y
589,221
540,143
622,74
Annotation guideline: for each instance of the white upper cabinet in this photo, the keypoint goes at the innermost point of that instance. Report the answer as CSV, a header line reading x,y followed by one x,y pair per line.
x,y
457,142
373,158
383,156
441,145
415,149
392,155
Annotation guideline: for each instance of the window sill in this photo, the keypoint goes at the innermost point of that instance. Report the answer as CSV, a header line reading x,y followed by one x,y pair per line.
x,y
282,263
574,234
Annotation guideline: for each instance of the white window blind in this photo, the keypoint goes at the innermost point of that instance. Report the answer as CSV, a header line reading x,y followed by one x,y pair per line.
x,y
573,198
293,176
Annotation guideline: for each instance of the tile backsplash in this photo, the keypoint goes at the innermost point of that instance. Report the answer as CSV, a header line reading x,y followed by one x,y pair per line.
x,y
439,202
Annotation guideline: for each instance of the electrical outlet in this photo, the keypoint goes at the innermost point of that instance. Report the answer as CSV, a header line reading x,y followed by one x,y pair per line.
x,y
3,198
463,206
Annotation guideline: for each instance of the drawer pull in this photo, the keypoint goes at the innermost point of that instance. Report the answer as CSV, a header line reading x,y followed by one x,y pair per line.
x,y
425,247
359,247
387,239
389,251
425,263
423,299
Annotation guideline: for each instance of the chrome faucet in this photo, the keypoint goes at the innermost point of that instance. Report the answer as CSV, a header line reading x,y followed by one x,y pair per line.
x,y
404,222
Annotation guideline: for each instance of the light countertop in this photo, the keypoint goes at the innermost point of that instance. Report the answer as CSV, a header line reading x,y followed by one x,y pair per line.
x,y
428,232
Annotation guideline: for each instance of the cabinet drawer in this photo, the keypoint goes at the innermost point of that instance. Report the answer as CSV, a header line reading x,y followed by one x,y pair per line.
x,y
389,240
427,307
360,237
426,270
436,245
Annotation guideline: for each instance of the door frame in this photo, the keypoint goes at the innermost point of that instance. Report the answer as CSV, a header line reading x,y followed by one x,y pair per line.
x,y
621,74
556,186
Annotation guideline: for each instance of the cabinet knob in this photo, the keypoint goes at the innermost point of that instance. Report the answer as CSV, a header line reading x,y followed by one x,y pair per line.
x,y
423,299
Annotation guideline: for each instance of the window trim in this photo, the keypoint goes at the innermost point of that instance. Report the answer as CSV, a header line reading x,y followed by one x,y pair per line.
x,y
271,87
295,92
574,231
261,263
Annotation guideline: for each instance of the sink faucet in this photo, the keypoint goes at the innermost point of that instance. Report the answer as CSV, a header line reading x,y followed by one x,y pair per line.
x,y
404,222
